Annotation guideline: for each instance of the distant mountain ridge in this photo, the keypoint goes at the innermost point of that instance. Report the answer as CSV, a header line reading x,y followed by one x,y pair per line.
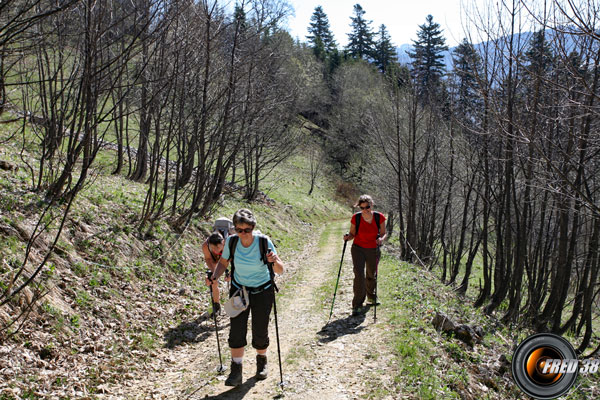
x,y
522,38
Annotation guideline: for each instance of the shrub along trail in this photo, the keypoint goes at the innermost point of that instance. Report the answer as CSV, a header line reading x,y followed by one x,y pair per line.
x,y
343,359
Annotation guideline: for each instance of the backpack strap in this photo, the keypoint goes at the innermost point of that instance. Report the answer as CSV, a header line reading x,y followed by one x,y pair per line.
x,y
357,222
377,216
263,245
233,241
264,250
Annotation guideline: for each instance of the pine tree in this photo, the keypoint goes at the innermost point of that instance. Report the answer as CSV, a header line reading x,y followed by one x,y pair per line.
x,y
385,53
427,64
539,55
361,44
334,61
467,64
320,37
538,64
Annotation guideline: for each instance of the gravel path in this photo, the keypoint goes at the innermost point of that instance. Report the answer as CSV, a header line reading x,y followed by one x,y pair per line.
x,y
343,359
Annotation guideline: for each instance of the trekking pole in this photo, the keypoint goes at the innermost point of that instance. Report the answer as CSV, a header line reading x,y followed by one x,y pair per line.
x,y
214,313
376,272
337,281
275,289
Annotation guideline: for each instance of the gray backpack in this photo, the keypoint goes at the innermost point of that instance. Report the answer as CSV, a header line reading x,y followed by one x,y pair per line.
x,y
224,226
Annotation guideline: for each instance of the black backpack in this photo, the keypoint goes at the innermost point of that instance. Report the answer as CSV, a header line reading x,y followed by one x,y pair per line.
x,y
377,217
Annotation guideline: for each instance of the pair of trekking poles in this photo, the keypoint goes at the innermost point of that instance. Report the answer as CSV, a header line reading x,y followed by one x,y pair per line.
x,y
338,280
275,289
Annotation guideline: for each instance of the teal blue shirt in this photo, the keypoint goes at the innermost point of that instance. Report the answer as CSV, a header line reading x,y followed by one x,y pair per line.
x,y
249,269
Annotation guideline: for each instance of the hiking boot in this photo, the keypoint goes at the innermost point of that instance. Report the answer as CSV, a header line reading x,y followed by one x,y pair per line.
x,y
261,367
235,375
356,311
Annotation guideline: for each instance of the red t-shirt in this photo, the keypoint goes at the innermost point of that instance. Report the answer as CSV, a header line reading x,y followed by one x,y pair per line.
x,y
367,232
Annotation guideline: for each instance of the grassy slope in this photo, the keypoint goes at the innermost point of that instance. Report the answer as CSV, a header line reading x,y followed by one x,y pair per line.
x,y
435,366
128,292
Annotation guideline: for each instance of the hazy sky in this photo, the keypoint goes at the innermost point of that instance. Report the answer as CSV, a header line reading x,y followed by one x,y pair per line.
x,y
401,17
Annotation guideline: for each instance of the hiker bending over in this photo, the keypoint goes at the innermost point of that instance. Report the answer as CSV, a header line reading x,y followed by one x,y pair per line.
x,y
212,248
367,229
249,269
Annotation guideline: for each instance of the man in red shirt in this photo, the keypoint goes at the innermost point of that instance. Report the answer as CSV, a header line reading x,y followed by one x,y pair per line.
x,y
365,250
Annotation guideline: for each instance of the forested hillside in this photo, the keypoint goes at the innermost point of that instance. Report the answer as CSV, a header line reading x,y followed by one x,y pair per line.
x,y
126,128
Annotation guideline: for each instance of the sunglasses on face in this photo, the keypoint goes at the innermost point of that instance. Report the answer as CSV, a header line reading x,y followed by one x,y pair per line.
x,y
246,230
365,207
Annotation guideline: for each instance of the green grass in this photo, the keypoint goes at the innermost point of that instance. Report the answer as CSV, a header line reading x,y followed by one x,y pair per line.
x,y
145,341
295,354
324,293
83,299
522,330
431,365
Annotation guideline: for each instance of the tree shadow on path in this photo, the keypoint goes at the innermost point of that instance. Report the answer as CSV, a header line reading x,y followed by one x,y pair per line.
x,y
193,331
347,326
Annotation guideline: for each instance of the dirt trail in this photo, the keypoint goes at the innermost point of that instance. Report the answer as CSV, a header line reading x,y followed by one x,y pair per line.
x,y
343,359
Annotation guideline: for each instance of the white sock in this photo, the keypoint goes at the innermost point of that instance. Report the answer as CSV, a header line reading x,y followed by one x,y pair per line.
x,y
238,360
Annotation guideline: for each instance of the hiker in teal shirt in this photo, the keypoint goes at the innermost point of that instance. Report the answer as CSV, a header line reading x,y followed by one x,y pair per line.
x,y
250,271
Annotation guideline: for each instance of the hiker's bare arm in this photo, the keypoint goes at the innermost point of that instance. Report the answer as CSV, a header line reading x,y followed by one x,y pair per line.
x,y
350,236
277,263
382,233
210,263
220,268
